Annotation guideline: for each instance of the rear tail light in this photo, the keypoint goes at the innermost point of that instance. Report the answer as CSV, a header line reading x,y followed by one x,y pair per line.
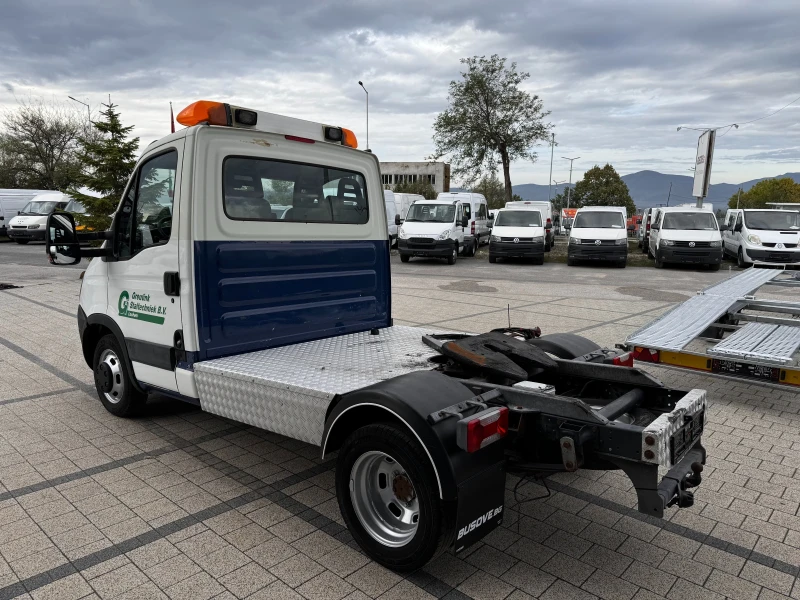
x,y
645,354
648,227
473,228
295,138
624,360
482,429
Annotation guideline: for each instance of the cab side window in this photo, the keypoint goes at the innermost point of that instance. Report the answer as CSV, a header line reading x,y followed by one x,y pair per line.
x,y
739,219
145,215
466,211
481,212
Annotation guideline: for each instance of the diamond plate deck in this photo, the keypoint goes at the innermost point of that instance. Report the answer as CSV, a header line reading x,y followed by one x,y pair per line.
x,y
287,390
677,327
760,341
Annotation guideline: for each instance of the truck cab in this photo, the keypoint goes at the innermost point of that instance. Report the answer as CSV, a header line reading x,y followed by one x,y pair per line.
x,y
434,229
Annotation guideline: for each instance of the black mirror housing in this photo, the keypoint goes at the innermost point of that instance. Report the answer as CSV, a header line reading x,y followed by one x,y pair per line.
x,y
60,240
397,220
464,222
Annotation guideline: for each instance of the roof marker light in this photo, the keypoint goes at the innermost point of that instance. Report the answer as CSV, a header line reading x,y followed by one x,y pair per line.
x,y
205,111
349,139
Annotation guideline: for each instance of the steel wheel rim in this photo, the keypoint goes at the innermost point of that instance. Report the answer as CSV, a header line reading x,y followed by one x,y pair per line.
x,y
110,358
375,481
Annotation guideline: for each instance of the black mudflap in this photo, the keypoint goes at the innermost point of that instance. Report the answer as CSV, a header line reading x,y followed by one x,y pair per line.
x,y
480,505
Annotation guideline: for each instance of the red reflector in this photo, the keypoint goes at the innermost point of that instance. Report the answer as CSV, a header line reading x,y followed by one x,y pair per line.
x,y
645,354
648,227
487,429
294,138
624,360
473,228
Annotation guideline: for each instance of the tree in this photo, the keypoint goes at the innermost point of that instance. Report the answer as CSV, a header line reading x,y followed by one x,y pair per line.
x,y
560,200
39,144
423,188
769,190
494,191
602,186
489,119
109,158
282,192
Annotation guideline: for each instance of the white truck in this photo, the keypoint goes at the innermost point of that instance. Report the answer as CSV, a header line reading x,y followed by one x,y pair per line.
x,y
202,292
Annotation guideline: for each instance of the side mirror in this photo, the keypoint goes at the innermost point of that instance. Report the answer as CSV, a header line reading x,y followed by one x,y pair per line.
x,y
724,227
654,227
397,220
464,222
60,241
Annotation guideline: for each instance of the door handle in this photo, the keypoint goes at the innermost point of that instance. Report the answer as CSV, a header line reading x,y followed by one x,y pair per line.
x,y
172,283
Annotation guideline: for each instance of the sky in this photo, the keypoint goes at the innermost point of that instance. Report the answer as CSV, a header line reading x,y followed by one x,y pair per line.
x,y
617,76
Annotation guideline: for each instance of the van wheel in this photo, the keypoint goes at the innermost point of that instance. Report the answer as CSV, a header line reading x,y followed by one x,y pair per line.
x,y
649,254
389,498
112,380
659,263
645,248
492,259
571,262
539,260
713,267
405,258
740,259
22,242
621,264
451,260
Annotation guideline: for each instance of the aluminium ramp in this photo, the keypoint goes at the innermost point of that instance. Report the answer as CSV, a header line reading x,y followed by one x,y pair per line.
x,y
762,342
677,327
287,390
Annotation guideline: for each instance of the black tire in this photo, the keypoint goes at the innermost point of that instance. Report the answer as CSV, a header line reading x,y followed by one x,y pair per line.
x,y
571,262
645,248
713,267
649,254
125,401
565,345
451,260
492,259
740,259
22,242
405,258
659,263
473,249
539,260
435,527
621,264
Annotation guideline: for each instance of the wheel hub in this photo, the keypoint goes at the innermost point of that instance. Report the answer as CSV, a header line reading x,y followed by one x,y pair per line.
x,y
105,378
403,489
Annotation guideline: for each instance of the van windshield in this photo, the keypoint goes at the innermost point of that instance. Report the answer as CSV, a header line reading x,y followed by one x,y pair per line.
x,y
599,220
41,208
75,207
518,218
772,219
705,221
432,213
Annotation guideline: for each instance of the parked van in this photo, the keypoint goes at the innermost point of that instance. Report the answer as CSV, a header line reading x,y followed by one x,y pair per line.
x,y
477,212
598,233
762,236
547,215
13,201
644,230
434,228
518,232
686,234
392,214
404,201
29,224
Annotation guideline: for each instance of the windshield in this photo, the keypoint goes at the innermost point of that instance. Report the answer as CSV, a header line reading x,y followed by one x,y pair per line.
x,y
772,219
690,220
74,206
41,207
599,220
432,213
518,218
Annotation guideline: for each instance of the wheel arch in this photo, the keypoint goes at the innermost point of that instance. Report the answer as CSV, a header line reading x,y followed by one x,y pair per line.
x,y
92,329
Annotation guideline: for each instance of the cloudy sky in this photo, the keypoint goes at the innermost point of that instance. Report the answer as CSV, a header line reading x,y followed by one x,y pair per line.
x,y
618,76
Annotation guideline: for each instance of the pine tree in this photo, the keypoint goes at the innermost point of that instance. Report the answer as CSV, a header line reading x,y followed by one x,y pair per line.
x,y
109,158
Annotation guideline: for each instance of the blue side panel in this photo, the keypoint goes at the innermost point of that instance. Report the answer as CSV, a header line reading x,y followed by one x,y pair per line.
x,y
256,295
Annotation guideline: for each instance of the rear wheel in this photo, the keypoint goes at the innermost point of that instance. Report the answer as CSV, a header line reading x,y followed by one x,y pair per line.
x,y
113,381
23,242
404,258
389,499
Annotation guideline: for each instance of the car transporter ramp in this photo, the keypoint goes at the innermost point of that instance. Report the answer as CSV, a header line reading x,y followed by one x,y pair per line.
x,y
726,329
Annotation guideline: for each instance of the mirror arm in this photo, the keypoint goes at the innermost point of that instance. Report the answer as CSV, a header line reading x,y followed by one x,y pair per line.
x,y
94,235
95,252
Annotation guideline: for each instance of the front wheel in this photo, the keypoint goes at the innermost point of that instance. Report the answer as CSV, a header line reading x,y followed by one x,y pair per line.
x,y
659,263
389,498
451,260
571,262
112,380
740,262
713,267
405,258
22,242
492,259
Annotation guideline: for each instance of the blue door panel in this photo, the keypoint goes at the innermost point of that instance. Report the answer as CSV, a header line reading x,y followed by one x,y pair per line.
x,y
256,295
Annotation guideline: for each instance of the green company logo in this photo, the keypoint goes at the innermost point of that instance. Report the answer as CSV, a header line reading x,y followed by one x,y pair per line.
x,y
140,308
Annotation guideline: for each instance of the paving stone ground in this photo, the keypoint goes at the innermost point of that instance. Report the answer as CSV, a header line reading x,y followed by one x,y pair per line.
x,y
183,504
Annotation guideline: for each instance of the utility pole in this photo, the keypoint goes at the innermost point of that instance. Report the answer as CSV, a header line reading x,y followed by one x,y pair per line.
x,y
739,197
670,193
552,150
365,90
569,189
86,104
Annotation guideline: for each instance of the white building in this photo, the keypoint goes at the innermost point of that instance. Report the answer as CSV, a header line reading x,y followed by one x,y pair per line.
x,y
435,173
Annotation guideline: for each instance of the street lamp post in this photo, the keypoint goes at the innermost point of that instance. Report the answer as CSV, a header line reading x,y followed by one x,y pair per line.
x,y
569,189
366,92
552,149
88,108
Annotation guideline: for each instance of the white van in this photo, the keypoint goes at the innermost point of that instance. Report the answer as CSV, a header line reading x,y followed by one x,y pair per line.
x,y
13,201
762,236
434,228
547,213
29,224
404,202
392,214
477,212
598,233
518,232
686,234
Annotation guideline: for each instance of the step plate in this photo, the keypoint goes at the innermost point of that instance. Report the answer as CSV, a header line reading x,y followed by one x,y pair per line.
x,y
287,390
760,341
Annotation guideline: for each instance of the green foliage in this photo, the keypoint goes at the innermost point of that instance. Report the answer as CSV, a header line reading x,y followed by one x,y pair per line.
x,y
769,190
602,186
282,192
560,200
423,188
39,146
494,191
109,158
489,121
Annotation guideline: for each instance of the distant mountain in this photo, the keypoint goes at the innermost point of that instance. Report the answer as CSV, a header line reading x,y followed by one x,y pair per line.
x,y
651,188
